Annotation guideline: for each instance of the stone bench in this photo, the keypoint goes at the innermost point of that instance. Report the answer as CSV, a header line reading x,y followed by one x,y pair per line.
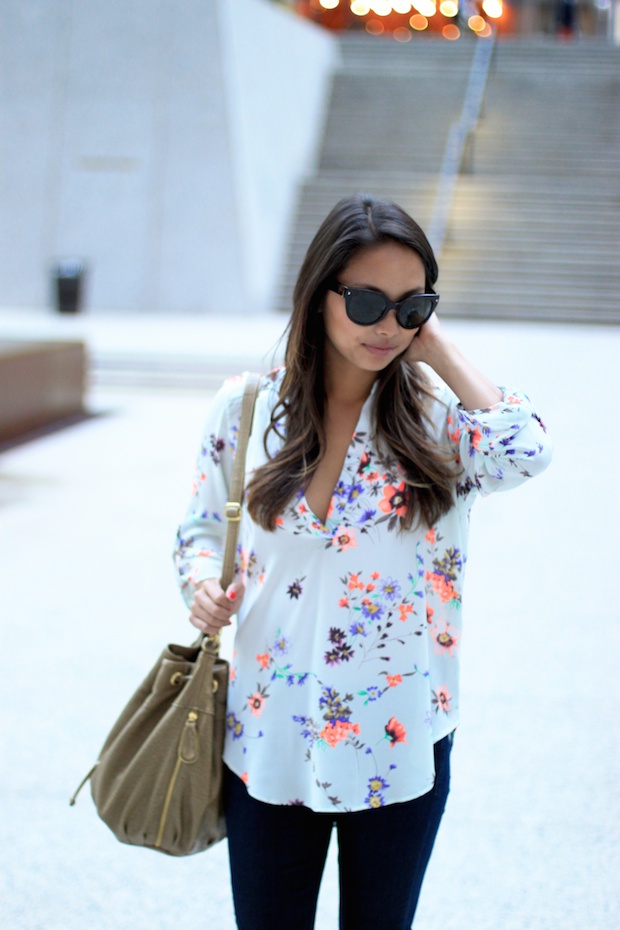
x,y
41,384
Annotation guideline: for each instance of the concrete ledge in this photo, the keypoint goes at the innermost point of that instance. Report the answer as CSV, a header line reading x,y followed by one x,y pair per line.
x,y
41,383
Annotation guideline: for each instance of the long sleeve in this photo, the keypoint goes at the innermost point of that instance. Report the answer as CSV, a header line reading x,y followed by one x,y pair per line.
x,y
199,547
501,446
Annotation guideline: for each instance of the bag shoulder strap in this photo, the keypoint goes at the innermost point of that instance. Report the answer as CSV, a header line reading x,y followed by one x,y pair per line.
x,y
234,505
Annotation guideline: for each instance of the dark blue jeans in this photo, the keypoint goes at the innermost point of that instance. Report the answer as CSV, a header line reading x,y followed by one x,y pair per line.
x,y
277,856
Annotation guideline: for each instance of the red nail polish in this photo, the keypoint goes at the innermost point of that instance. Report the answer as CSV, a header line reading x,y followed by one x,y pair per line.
x,y
232,595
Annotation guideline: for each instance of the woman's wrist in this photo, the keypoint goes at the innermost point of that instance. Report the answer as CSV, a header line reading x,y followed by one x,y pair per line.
x,y
473,389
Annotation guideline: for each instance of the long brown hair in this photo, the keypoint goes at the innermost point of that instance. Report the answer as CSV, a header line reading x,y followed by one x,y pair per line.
x,y
403,392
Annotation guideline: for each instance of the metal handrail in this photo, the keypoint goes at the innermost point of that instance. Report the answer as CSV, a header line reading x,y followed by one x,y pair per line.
x,y
458,154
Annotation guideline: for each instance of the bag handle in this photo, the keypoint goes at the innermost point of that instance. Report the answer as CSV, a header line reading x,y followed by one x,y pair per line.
x,y
233,506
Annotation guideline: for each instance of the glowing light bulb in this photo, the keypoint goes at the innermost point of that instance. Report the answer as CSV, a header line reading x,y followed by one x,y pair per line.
x,y
477,23
425,7
401,6
448,7
329,4
381,7
418,22
493,8
360,7
402,34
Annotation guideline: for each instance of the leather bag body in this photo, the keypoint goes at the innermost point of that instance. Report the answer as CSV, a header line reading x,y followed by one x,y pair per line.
x,y
158,782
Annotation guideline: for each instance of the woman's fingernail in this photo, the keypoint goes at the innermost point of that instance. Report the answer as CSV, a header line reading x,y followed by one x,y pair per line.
x,y
231,595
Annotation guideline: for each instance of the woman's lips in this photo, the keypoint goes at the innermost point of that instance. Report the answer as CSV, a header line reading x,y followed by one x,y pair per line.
x,y
380,351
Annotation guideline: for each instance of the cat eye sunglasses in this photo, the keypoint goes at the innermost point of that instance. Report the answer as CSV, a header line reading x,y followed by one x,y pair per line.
x,y
366,307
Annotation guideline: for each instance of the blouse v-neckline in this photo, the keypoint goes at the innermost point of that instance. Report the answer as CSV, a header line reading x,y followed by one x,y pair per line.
x,y
362,427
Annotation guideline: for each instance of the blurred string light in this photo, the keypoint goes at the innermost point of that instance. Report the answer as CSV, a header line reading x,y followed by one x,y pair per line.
x,y
476,23
493,8
421,11
425,7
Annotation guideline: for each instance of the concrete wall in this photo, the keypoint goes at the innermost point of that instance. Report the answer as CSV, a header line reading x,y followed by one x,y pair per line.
x,y
161,142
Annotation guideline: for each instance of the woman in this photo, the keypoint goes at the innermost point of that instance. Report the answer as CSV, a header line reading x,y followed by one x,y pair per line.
x,y
344,692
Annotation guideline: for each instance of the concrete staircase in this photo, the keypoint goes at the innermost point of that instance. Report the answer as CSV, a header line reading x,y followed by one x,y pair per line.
x,y
389,117
535,229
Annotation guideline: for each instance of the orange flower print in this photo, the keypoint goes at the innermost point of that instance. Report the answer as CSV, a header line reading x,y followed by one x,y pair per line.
x,y
446,639
343,602
394,500
375,576
443,587
430,536
354,582
335,731
429,614
263,660
441,699
394,680
245,778
370,587
404,611
344,539
475,438
279,521
301,508
395,732
233,673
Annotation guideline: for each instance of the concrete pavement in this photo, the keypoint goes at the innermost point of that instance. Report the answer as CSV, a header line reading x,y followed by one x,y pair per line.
x,y
87,520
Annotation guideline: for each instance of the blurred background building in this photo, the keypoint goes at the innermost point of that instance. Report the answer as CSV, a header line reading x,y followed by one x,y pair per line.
x,y
182,153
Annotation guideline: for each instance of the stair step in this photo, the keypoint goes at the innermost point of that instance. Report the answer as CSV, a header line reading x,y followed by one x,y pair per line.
x,y
535,229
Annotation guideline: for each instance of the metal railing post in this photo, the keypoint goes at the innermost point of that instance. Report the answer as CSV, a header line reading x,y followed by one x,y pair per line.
x,y
459,152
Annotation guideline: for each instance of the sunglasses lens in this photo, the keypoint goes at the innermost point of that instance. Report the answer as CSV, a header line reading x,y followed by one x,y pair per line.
x,y
364,307
416,310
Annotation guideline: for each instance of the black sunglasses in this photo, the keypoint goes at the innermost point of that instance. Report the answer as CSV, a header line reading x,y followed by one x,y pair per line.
x,y
366,307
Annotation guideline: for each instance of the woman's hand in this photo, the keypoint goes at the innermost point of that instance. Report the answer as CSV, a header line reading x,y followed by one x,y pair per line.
x,y
212,607
426,342
431,345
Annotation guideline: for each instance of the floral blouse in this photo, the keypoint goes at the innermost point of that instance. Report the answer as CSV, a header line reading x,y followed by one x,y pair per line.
x,y
346,660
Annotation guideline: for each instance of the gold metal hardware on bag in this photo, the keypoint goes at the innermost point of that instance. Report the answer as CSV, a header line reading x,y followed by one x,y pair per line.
x,y
211,643
192,717
176,678
232,511
216,685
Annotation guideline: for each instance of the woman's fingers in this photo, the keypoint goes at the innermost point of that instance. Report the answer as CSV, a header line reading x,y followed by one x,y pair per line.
x,y
212,607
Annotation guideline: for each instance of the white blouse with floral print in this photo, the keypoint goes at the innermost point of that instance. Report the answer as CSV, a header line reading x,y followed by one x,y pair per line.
x,y
346,661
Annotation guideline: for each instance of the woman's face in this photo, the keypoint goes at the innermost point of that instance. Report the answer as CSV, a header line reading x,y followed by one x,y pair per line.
x,y
395,270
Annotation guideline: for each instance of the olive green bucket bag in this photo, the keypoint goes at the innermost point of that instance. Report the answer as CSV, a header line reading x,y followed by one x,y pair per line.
x,y
158,780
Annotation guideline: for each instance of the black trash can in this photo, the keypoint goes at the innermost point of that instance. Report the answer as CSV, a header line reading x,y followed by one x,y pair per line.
x,y
69,285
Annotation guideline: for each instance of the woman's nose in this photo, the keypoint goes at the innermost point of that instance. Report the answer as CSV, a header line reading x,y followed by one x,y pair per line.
x,y
389,324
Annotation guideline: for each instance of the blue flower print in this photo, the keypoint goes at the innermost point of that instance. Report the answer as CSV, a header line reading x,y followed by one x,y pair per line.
x,y
281,645
376,786
390,589
234,725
